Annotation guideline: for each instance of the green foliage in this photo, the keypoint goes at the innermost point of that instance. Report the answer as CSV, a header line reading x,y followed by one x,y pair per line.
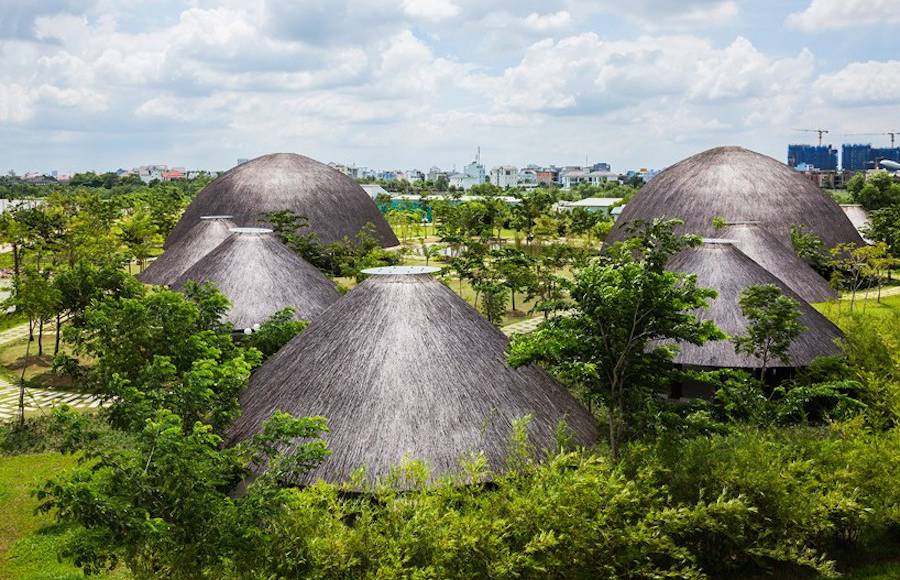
x,y
162,505
772,325
275,332
811,249
164,349
345,258
876,191
884,226
624,308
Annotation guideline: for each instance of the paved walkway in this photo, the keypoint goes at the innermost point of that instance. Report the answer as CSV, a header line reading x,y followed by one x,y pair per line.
x,y
872,294
37,400
523,326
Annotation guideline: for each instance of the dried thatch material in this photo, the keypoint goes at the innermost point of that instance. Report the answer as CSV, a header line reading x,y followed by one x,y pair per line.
x,y
719,265
260,276
200,240
857,215
334,204
761,247
404,368
738,185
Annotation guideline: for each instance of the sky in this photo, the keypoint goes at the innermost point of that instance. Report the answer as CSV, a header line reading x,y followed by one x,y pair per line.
x,y
104,84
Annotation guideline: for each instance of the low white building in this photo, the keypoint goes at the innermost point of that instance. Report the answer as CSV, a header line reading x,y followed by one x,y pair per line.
x,y
505,176
606,205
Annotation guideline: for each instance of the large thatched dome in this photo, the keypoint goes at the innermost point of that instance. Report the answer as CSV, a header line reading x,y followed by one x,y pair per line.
x,y
207,233
334,204
738,185
719,265
762,247
261,276
403,368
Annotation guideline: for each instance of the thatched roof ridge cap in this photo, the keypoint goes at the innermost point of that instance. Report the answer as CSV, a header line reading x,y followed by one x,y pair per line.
x,y
719,241
251,231
216,217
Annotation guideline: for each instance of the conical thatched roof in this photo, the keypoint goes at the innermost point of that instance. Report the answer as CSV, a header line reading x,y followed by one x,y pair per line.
x,y
738,185
334,204
761,247
719,265
404,368
260,276
207,233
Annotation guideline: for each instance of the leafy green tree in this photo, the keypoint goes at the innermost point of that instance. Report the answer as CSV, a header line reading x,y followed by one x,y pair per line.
x,y
884,226
162,503
773,325
275,332
810,248
876,191
163,349
515,269
140,235
626,311
36,297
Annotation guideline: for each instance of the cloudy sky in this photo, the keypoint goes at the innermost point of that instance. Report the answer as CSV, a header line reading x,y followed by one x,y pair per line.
x,y
104,84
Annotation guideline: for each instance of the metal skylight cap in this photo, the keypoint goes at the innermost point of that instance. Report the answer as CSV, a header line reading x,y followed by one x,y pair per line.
x,y
400,270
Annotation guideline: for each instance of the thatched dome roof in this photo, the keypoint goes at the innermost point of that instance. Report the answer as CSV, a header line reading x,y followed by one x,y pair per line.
x,y
738,185
334,204
762,247
260,276
719,265
207,233
404,368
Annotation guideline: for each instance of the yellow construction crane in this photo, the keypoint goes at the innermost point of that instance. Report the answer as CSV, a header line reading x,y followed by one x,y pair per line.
x,y
819,131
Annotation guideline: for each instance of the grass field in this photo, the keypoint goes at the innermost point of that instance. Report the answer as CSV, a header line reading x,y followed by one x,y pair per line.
x,y
888,307
29,541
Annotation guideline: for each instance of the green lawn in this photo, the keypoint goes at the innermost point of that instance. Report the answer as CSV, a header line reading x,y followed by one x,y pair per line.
x,y
29,541
888,307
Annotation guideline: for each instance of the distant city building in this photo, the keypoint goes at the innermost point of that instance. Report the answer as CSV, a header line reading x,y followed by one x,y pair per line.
x,y
241,161
571,176
174,173
472,174
148,173
548,176
819,156
505,176
592,204
860,157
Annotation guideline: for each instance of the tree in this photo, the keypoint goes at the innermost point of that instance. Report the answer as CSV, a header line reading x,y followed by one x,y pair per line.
x,y
876,191
164,349
36,297
626,312
515,269
884,226
773,325
810,248
140,235
275,332
430,251
160,500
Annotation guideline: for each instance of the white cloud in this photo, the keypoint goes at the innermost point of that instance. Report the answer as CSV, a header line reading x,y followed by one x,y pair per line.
x,y
837,14
433,10
862,83
15,104
549,21
588,75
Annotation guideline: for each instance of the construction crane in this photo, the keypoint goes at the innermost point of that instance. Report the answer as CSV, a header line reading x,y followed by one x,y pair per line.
x,y
891,134
819,131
